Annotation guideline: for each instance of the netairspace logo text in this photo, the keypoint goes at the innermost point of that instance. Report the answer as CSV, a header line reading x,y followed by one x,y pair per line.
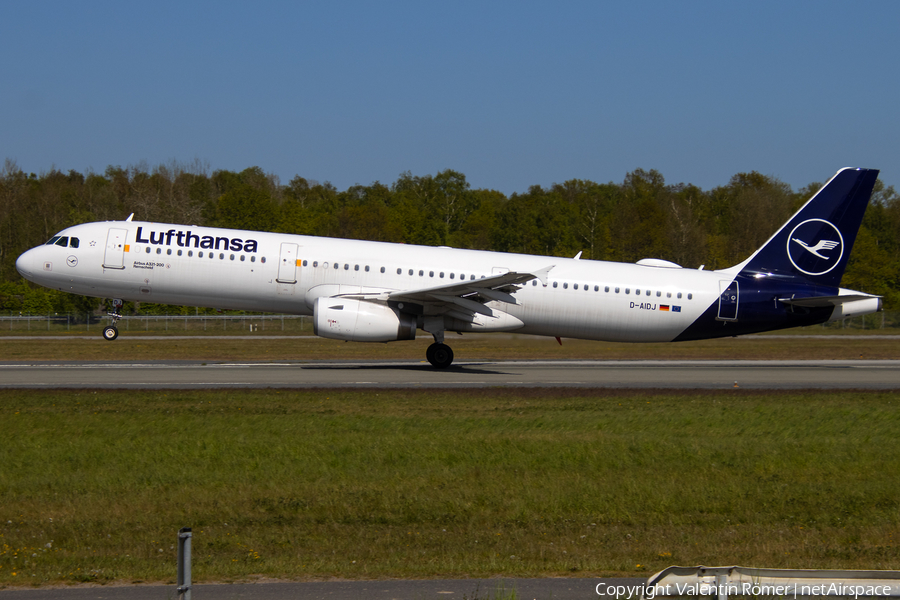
x,y
628,592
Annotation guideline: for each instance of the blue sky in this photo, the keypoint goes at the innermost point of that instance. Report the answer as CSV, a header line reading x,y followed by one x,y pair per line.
x,y
512,94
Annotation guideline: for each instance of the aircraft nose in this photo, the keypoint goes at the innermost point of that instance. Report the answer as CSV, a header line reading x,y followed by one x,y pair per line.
x,y
25,265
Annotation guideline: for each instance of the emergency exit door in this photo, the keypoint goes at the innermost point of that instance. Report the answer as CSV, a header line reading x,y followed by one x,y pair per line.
x,y
287,268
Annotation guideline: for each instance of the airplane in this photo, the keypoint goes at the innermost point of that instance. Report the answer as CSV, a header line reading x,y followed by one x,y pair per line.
x,y
381,292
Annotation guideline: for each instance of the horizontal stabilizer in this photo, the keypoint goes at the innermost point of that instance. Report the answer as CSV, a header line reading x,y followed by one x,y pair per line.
x,y
823,301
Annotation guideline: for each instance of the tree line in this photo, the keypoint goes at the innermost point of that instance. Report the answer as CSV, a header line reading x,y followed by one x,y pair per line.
x,y
640,217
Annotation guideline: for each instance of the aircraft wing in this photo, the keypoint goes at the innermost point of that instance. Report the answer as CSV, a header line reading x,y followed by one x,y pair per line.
x,y
464,297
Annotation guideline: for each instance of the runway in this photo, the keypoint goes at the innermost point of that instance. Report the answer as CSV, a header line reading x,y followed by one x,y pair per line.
x,y
556,588
764,374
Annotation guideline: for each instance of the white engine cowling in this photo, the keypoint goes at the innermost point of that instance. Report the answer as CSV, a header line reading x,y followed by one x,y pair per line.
x,y
360,321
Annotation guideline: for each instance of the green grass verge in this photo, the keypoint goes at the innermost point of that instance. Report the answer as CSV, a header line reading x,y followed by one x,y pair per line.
x,y
373,484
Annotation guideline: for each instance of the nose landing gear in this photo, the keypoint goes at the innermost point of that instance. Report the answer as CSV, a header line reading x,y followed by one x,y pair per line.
x,y
111,332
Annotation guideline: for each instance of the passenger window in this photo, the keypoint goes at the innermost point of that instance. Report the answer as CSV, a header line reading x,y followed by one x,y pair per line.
x,y
73,243
627,290
606,289
355,267
690,296
159,250
221,256
304,262
410,272
617,290
190,253
668,294
200,254
243,257
347,267
431,273
337,266
679,295
555,283
315,262
658,294
442,275
452,275
252,259
575,286
534,282
169,252
421,273
179,253
63,241
367,268
211,255
232,257
647,293
636,292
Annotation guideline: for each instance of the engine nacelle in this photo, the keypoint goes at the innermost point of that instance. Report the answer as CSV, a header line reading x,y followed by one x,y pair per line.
x,y
360,321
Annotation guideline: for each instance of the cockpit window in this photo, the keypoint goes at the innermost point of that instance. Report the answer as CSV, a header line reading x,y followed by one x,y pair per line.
x,y
63,241
73,242
52,240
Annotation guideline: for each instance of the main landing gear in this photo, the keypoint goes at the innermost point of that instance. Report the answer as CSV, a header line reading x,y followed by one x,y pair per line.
x,y
439,355
110,332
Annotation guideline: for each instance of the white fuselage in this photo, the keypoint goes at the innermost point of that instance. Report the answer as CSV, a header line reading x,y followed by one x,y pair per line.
x,y
177,264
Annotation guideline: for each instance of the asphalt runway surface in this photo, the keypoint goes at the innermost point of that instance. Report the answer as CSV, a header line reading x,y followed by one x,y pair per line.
x,y
432,589
687,374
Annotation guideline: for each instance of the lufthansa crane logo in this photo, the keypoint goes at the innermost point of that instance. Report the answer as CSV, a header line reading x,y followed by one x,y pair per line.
x,y
815,247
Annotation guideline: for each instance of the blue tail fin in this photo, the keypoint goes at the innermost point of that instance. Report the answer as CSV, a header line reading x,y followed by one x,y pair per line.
x,y
815,243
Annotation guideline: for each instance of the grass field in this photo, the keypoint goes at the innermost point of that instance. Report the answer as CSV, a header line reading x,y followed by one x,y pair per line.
x,y
373,484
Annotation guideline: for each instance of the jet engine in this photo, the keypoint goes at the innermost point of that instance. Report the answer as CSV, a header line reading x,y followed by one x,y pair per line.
x,y
360,321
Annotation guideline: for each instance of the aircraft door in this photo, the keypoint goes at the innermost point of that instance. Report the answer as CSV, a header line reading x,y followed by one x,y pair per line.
x,y
114,257
287,268
728,301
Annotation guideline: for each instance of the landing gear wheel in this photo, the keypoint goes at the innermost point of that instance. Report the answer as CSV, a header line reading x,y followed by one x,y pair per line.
x,y
110,332
439,355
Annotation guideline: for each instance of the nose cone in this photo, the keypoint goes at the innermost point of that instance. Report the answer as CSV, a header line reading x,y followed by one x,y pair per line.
x,y
25,265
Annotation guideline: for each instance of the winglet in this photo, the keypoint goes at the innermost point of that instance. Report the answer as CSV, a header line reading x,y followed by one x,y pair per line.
x,y
542,274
